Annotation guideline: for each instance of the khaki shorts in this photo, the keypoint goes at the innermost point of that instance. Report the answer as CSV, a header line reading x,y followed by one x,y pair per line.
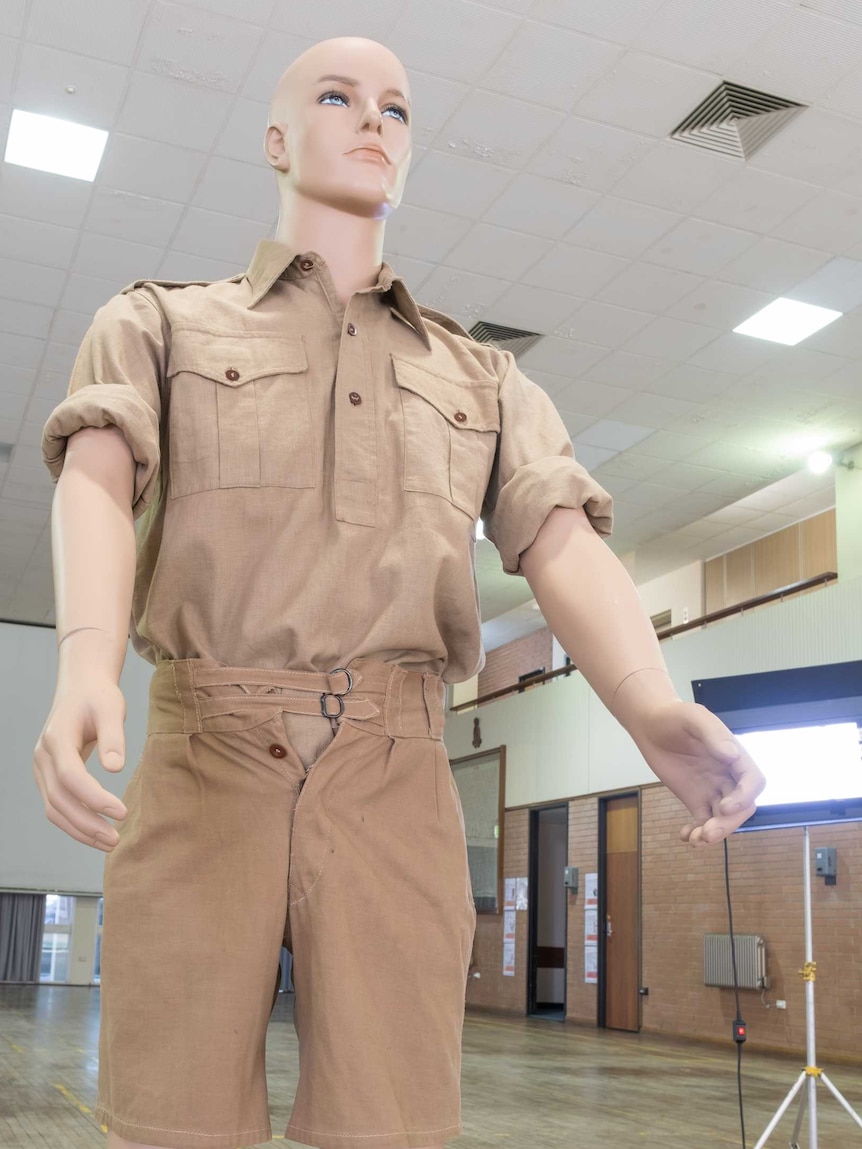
x,y
233,848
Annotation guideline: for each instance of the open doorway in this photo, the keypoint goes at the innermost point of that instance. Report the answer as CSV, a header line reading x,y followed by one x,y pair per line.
x,y
549,847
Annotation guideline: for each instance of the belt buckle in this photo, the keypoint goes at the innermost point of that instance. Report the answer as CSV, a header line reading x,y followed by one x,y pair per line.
x,y
336,694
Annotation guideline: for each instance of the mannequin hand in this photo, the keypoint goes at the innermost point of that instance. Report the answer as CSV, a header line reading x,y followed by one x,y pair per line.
x,y
700,761
85,713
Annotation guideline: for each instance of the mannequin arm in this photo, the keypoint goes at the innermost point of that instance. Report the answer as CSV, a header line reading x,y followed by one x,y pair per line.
x,y
94,552
593,608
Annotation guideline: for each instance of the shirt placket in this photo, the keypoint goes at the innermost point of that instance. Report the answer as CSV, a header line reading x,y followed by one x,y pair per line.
x,y
355,454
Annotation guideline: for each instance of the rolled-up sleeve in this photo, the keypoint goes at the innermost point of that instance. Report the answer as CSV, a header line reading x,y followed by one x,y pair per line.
x,y
534,471
116,382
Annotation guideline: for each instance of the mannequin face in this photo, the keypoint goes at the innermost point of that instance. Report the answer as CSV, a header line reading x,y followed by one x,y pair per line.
x,y
335,102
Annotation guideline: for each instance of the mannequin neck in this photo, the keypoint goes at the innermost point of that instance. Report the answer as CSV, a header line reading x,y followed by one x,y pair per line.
x,y
352,245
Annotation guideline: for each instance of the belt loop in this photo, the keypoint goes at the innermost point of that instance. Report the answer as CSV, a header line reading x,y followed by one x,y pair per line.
x,y
393,703
182,675
432,687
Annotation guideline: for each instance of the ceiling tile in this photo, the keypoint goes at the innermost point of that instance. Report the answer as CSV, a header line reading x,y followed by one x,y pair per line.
x,y
756,200
720,305
235,188
816,146
630,466
773,266
456,184
645,94
735,354
589,155
100,28
676,176
20,350
498,252
804,54
45,73
651,410
649,494
275,52
646,287
243,135
122,213
633,372
591,457
424,234
115,259
613,435
184,266
17,381
838,285
12,17
575,270
670,445
86,293
197,47
413,271
36,242
708,36
434,101
670,338
456,40
620,227
171,112
602,324
532,308
562,357
542,207
686,476
585,398
43,196
31,282
461,294
700,247
148,168
491,127
831,220
217,236
326,18
695,384
549,65
620,21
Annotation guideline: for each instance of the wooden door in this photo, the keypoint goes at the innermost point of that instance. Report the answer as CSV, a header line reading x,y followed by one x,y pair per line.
x,y
621,905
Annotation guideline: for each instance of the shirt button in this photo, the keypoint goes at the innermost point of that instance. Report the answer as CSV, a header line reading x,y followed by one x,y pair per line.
x,y
232,374
351,330
306,264
460,416
355,398
277,751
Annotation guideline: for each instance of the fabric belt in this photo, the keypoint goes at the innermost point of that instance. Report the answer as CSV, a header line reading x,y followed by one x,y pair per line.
x,y
195,695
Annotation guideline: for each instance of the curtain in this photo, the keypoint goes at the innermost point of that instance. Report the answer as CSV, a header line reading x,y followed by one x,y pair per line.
x,y
21,920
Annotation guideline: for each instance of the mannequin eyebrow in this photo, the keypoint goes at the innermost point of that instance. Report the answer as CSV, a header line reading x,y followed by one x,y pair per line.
x,y
354,83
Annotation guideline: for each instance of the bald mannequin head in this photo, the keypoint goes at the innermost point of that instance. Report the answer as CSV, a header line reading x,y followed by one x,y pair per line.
x,y
339,97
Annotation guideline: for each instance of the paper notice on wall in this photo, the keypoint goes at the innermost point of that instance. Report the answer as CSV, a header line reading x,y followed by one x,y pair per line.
x,y
520,893
591,964
591,890
591,926
509,900
508,925
508,959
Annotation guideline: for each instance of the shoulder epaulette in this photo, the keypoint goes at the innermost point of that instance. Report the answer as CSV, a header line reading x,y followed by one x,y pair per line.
x,y
444,320
181,282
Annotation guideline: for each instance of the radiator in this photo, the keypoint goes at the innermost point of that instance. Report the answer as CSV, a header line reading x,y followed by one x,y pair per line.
x,y
750,960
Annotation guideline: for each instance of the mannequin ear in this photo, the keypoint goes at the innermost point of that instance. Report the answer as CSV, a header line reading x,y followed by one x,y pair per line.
x,y
275,146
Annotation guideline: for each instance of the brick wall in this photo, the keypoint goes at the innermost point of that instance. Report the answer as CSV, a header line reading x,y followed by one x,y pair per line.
x,y
683,898
504,665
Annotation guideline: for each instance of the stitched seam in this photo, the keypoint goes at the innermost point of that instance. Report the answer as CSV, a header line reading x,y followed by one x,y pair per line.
x,y
179,696
195,696
319,872
193,1132
399,1133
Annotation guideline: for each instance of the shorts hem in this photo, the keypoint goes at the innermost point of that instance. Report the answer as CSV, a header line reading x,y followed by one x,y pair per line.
x,y
180,1138
402,1139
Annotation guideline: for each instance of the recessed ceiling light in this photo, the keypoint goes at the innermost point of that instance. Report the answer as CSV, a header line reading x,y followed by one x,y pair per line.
x,y
51,145
819,462
787,321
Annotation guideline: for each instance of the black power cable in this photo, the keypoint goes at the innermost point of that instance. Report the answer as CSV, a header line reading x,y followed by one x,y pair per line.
x,y
739,1027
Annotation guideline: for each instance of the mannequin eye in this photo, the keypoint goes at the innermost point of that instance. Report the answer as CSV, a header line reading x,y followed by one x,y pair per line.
x,y
397,108
338,95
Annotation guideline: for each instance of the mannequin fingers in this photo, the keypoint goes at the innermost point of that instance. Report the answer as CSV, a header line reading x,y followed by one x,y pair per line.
x,y
79,822
750,783
73,780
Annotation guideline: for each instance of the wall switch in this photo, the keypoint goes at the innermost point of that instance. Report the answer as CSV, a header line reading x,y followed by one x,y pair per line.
x,y
781,1005
685,614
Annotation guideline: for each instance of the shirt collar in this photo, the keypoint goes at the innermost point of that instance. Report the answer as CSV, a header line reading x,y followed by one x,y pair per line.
x,y
273,259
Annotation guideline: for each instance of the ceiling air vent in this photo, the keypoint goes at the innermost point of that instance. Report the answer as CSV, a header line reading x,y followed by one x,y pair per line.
x,y
506,338
736,121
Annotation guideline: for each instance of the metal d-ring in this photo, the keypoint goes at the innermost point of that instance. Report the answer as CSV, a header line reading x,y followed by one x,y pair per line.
x,y
336,694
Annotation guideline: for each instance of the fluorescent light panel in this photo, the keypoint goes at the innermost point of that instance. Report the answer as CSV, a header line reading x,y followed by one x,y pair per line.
x,y
787,321
51,145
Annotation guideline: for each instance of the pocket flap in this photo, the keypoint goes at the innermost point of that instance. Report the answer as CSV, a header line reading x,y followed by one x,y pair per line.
x,y
475,400
235,359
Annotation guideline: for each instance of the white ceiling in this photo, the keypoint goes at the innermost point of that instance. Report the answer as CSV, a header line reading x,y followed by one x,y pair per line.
x,y
545,194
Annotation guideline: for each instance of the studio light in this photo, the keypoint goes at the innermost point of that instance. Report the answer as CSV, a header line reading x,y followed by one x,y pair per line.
x,y
787,321
819,462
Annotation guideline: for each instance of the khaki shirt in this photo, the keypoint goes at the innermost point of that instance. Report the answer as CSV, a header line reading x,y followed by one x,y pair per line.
x,y
309,474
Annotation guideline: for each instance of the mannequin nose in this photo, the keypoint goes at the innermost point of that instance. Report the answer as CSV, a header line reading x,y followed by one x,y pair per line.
x,y
371,116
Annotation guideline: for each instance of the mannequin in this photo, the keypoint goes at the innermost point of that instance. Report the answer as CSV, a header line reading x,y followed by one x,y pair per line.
x,y
334,201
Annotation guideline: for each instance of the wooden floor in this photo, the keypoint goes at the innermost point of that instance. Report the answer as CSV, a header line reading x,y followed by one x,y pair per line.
x,y
526,1084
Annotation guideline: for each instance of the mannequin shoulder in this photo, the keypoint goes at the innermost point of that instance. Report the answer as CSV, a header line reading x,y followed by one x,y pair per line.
x,y
174,284
466,348
444,321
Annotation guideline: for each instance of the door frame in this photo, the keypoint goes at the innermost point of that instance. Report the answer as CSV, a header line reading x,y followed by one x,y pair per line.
x,y
601,987
532,906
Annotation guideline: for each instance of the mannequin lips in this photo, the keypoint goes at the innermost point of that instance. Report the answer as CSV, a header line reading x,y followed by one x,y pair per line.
x,y
373,150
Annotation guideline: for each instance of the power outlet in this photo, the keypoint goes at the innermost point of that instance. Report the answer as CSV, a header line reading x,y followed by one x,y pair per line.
x,y
685,614
781,1005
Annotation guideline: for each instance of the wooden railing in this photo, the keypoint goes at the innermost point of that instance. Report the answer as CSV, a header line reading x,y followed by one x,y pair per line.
x,y
704,620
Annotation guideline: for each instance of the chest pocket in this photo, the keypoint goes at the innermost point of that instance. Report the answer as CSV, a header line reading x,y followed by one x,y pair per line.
x,y
240,412
451,426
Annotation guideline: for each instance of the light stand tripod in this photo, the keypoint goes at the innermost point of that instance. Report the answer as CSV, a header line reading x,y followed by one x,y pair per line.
x,y
811,1072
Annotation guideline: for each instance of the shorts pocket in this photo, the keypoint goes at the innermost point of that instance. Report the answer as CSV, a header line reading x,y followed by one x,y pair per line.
x,y
451,426
239,412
